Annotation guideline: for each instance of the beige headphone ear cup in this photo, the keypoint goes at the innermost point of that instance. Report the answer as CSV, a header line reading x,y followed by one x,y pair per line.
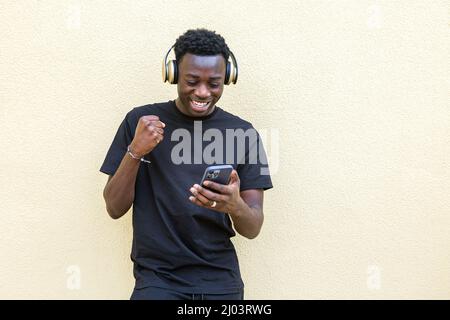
x,y
227,73
235,74
172,72
164,70
232,73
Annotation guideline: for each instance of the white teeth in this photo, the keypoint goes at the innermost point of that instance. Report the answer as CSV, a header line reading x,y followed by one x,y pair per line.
x,y
200,104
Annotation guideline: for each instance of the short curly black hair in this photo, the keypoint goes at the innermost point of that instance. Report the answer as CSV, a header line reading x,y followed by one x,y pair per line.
x,y
201,42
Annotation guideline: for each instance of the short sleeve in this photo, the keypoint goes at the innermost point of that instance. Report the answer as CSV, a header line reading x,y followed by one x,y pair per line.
x,y
118,148
254,172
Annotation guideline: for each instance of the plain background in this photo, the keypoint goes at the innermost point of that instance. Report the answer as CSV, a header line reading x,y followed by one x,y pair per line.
x,y
353,96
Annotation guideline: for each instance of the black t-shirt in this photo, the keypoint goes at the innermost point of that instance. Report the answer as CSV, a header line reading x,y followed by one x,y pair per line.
x,y
177,244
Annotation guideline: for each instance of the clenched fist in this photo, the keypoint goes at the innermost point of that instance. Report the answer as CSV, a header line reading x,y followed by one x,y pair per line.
x,y
149,133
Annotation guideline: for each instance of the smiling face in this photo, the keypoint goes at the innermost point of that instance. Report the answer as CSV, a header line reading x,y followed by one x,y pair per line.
x,y
200,83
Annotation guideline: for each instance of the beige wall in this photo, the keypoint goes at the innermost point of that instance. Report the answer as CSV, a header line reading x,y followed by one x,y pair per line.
x,y
357,91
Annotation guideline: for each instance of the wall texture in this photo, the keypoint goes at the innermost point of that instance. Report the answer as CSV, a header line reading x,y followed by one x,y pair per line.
x,y
353,96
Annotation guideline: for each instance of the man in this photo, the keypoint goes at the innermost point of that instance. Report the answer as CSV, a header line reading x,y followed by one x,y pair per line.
x,y
181,230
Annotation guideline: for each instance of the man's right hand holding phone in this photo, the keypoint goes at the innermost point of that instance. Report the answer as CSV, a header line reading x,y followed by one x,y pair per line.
x,y
219,197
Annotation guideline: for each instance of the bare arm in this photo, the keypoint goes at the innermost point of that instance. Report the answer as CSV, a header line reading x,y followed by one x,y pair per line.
x,y
119,190
248,217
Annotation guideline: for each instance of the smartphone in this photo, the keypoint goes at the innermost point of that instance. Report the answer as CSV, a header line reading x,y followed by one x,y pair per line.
x,y
219,174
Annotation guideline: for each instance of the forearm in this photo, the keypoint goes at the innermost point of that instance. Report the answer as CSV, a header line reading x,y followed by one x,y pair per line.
x,y
247,220
119,192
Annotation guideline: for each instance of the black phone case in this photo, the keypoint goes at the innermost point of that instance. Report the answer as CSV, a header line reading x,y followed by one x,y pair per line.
x,y
220,174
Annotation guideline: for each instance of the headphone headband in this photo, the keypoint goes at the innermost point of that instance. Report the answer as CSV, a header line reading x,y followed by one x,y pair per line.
x,y
170,69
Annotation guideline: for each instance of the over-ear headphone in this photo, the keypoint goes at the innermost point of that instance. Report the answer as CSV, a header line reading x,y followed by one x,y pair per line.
x,y
170,70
